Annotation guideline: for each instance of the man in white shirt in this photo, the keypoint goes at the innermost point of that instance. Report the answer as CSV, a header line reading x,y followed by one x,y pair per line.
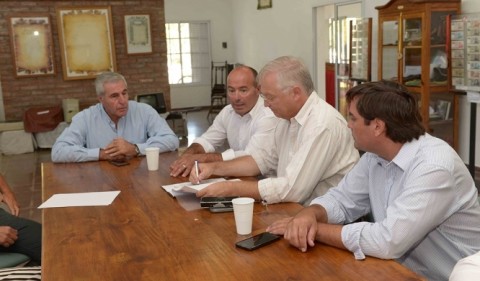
x,y
421,196
244,123
467,269
311,151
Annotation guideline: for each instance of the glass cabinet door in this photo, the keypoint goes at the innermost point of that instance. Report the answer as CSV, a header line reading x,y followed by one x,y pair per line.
x,y
412,51
441,103
389,50
438,48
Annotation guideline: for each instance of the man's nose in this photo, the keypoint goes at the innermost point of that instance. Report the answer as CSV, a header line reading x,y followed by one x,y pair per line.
x,y
124,99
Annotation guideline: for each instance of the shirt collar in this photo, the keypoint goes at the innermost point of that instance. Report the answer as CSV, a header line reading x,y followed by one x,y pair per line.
x,y
405,155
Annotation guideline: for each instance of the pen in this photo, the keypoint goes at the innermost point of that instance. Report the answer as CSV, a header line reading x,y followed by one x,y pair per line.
x,y
196,170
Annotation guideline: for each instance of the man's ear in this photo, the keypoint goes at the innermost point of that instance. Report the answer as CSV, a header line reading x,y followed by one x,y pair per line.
x,y
297,92
379,126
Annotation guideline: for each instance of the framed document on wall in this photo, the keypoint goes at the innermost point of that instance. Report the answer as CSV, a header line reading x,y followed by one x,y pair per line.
x,y
137,34
86,41
32,48
264,4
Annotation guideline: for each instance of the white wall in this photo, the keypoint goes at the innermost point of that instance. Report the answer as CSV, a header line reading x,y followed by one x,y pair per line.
x,y
286,29
219,14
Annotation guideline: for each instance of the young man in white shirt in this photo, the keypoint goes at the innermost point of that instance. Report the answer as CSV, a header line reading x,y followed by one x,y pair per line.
x,y
422,198
244,123
311,149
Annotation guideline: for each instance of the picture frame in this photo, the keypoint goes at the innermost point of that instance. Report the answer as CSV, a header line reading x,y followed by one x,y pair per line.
x,y
138,35
86,41
264,4
31,45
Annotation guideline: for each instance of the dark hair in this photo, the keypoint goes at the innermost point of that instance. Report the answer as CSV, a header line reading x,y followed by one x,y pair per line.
x,y
393,104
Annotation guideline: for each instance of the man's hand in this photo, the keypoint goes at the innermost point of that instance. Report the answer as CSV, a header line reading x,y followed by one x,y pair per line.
x,y
279,227
218,189
183,165
205,170
8,236
302,229
119,149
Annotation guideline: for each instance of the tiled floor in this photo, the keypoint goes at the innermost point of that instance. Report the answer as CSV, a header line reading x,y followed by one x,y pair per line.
x,y
23,172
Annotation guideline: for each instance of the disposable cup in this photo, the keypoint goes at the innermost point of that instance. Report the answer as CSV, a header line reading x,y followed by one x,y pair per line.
x,y
243,212
152,158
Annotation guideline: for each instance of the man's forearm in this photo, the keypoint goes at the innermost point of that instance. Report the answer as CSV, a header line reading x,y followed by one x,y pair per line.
x,y
209,157
194,148
239,167
329,234
246,189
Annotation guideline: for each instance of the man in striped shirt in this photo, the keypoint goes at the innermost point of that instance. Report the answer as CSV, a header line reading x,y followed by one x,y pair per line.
x,y
418,190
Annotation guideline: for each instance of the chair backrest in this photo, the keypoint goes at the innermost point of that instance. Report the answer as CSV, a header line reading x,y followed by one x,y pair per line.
x,y
13,259
220,71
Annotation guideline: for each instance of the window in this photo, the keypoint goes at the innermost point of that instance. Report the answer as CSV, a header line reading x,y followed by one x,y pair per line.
x,y
188,53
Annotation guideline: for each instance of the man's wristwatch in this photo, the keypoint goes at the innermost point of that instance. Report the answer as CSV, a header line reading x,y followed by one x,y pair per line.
x,y
137,150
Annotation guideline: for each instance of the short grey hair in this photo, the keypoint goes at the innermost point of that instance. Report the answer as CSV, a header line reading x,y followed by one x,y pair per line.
x,y
290,71
106,77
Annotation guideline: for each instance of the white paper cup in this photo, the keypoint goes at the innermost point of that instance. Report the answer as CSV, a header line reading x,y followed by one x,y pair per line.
x,y
243,212
152,158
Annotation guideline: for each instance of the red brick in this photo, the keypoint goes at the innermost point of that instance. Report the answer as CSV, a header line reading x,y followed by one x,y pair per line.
x,y
22,93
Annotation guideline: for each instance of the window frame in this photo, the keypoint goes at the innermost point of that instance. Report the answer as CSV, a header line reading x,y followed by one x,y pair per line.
x,y
208,38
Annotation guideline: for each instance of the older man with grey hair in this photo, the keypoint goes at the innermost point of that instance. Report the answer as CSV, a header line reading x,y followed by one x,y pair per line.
x,y
115,129
312,147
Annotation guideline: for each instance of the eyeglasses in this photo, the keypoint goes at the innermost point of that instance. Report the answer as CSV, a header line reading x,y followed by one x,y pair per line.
x,y
270,98
267,98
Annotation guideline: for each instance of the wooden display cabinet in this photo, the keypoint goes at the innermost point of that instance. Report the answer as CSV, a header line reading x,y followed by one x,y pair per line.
x,y
413,49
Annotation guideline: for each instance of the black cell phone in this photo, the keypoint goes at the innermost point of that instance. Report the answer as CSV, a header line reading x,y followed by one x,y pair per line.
x,y
118,163
219,202
220,209
257,241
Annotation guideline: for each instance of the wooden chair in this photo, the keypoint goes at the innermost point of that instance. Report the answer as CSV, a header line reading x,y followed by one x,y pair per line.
x,y
218,95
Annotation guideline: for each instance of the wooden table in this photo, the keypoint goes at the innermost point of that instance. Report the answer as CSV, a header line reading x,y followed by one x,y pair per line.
x,y
146,235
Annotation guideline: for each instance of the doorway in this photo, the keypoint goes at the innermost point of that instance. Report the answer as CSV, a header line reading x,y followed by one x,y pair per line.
x,y
332,51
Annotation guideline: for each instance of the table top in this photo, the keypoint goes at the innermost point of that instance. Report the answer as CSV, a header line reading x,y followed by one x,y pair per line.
x,y
145,234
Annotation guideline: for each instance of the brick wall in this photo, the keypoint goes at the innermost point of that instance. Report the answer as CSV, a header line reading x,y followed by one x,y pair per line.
x,y
145,73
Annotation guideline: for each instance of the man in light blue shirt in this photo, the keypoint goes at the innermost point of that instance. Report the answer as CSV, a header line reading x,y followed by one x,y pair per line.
x,y
418,190
115,129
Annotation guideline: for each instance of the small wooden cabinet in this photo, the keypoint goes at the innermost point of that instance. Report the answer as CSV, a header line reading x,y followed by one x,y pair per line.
x,y
413,49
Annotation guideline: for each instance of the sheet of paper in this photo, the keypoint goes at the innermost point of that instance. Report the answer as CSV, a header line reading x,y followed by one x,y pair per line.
x,y
103,198
179,188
